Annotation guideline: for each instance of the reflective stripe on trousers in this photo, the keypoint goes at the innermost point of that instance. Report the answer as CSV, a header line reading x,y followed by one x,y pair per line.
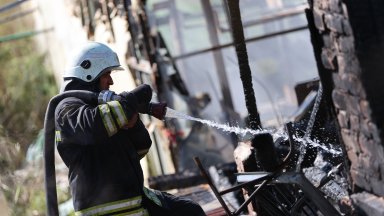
x,y
130,207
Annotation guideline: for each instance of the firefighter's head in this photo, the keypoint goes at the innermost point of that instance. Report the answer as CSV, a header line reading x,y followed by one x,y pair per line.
x,y
90,68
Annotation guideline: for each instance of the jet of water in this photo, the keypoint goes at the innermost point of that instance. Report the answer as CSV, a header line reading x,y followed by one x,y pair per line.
x,y
308,131
171,113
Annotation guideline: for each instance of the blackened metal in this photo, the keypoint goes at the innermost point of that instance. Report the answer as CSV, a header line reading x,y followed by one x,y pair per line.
x,y
303,89
257,38
132,28
147,40
244,205
295,209
273,195
265,151
176,78
270,204
227,102
177,180
309,190
212,185
217,55
245,184
245,70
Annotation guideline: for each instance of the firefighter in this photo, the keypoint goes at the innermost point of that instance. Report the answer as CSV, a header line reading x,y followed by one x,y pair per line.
x,y
102,142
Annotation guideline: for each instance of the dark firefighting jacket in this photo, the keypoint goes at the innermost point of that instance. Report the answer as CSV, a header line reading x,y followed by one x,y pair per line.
x,y
103,158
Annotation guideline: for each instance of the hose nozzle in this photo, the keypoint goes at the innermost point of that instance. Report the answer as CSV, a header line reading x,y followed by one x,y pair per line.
x,y
158,110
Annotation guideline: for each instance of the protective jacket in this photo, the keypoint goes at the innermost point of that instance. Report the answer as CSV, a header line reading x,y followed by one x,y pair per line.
x,y
103,157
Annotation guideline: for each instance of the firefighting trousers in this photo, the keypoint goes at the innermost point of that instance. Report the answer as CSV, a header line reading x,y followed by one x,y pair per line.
x,y
169,205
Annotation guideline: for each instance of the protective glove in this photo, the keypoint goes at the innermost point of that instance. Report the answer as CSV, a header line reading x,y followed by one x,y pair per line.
x,y
129,104
157,110
143,94
128,101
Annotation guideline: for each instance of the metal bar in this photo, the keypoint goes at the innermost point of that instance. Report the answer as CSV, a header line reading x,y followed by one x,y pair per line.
x,y
226,102
310,208
212,185
176,78
11,5
254,121
271,17
217,54
299,203
257,38
147,40
309,190
23,35
245,184
269,202
15,16
282,191
175,25
242,206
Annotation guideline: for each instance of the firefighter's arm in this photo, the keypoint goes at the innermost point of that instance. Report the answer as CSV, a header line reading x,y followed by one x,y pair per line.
x,y
83,124
89,124
140,138
142,96
119,110
137,132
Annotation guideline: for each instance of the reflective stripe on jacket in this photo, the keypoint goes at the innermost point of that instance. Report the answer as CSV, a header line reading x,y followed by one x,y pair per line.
x,y
103,168
113,116
123,207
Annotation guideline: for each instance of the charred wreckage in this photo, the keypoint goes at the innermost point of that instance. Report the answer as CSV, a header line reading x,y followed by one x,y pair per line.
x,y
299,168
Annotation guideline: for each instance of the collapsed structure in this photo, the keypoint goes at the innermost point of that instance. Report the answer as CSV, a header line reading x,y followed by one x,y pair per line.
x,y
347,46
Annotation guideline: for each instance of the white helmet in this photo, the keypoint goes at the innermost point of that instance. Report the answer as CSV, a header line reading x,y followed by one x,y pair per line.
x,y
91,61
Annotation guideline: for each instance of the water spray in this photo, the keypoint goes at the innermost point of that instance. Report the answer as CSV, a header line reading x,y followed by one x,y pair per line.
x,y
308,131
171,113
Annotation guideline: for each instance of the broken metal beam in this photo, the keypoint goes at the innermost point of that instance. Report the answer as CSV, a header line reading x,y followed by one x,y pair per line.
x,y
257,38
289,12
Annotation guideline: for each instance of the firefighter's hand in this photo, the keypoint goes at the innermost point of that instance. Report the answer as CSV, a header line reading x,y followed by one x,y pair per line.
x,y
127,101
129,105
143,95
158,110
